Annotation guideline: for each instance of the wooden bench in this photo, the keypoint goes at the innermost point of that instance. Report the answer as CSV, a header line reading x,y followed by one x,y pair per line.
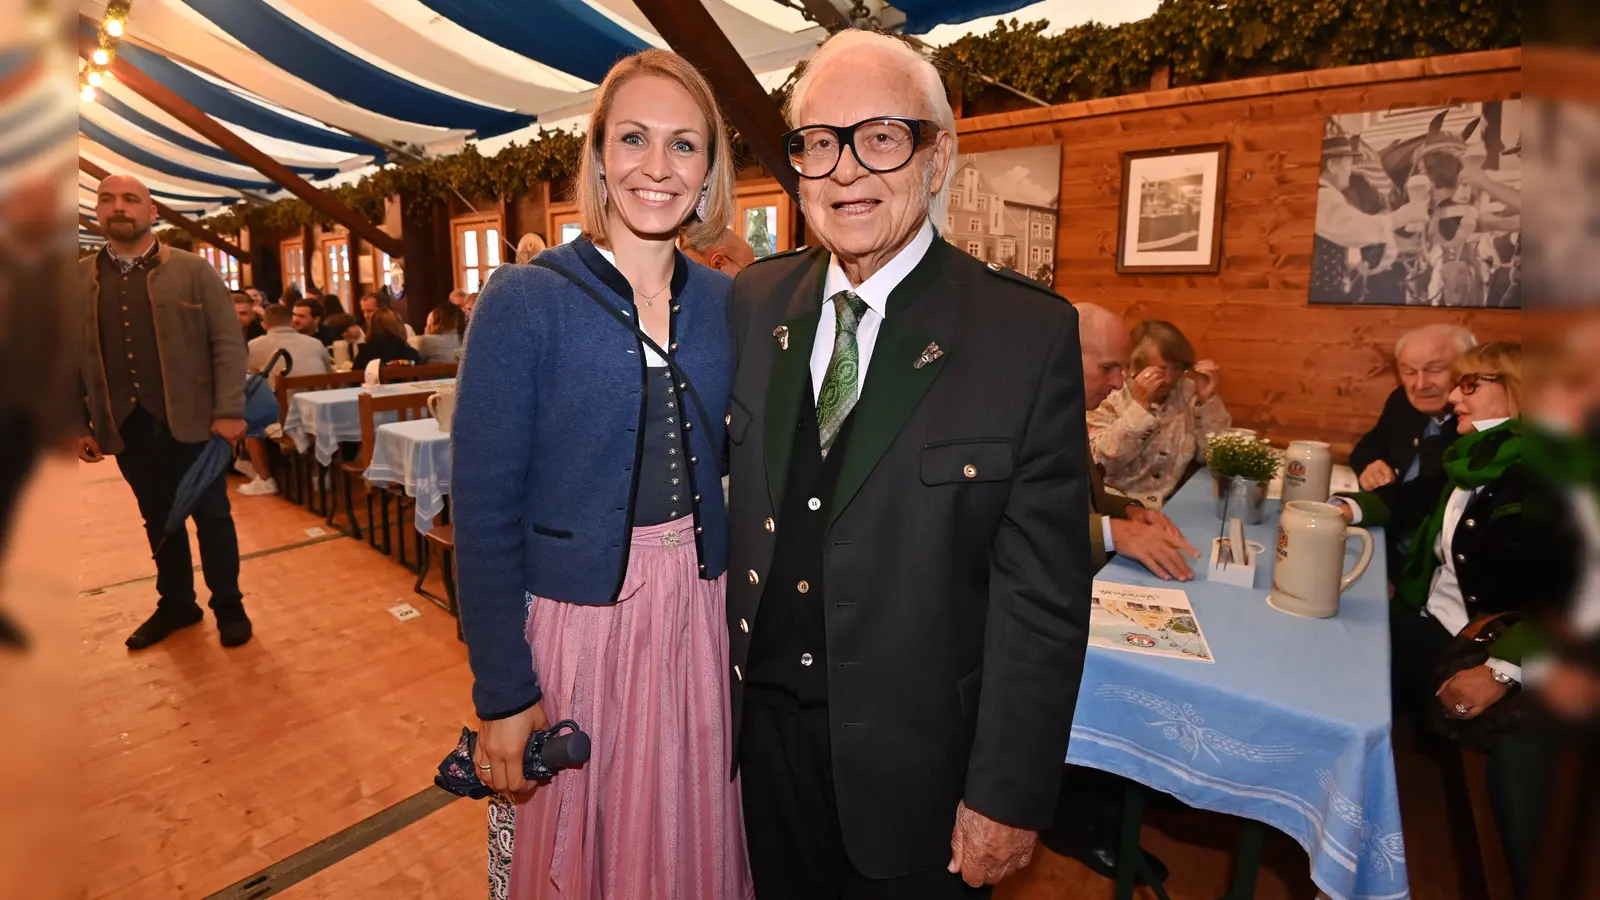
x,y
392,374
442,540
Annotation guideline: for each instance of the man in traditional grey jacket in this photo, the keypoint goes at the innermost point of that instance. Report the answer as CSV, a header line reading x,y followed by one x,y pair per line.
x,y
162,368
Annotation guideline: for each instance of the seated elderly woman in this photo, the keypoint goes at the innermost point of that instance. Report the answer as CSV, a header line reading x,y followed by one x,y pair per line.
x,y
1146,434
1465,572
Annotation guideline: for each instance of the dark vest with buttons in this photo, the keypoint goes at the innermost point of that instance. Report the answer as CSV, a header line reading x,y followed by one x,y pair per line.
x,y
128,341
788,650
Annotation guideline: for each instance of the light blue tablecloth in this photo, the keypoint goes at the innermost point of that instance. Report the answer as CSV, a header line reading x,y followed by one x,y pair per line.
x,y
1290,726
416,455
331,417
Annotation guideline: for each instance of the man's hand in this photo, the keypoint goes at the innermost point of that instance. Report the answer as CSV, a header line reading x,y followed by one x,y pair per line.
x,y
89,450
983,851
501,743
230,430
1205,379
1474,688
1160,550
1375,475
1153,517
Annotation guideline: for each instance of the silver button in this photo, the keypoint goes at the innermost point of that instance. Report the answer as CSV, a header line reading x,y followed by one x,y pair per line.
x,y
1461,557
694,460
814,503
803,587
673,348
738,674
754,578
672,465
672,435
672,451
744,626
673,498
688,426
1471,522
727,419
805,659
674,481
994,267
672,404
1472,598
672,420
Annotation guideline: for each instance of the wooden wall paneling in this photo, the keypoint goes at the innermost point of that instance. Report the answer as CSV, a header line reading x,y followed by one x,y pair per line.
x,y
425,239
1289,369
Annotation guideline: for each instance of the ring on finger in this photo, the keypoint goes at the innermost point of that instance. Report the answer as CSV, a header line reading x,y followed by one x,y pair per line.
x,y
485,766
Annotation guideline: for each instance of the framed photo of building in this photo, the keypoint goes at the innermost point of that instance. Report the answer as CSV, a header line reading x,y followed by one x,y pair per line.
x,y
1003,208
1170,219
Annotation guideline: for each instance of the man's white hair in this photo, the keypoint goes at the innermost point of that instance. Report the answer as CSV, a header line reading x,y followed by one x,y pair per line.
x,y
927,78
1460,335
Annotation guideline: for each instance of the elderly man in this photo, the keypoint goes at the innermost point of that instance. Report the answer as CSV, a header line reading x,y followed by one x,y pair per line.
x,y
729,255
1417,424
163,367
909,602
1118,524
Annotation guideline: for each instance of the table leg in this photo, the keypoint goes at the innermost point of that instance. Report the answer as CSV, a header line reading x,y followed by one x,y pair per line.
x,y
1128,854
1248,866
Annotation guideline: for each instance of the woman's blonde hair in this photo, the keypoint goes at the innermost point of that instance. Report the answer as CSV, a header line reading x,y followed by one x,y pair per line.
x,y
720,169
1499,358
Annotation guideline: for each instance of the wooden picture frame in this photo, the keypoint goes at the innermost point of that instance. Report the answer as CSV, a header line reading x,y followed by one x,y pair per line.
x,y
1169,220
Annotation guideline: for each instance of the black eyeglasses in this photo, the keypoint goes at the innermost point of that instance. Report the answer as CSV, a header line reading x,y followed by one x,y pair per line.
x,y
1468,383
884,144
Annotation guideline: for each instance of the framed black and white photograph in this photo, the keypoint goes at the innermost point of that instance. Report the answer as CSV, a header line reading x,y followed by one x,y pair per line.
x,y
1003,208
1170,219
1421,207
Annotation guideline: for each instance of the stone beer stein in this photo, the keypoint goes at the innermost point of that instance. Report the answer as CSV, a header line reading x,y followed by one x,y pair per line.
x,y
1308,578
442,406
1307,471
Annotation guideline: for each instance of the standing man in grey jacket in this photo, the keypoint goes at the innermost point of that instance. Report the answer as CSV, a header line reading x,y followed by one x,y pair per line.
x,y
163,367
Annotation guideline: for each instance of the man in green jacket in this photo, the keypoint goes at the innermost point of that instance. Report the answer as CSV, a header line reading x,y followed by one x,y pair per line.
x,y
162,367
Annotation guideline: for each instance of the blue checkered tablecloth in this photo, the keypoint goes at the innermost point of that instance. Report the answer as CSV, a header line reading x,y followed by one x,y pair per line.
x,y
1289,726
415,455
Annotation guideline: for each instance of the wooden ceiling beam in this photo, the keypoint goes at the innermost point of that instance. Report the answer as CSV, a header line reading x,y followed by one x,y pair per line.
x,y
177,218
90,224
690,30
219,134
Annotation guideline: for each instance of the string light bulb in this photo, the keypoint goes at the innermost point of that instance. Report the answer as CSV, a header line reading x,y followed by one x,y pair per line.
x,y
94,78
101,57
88,93
114,27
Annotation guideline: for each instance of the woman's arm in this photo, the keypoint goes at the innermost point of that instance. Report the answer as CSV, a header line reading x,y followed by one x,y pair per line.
x,y
491,443
1119,428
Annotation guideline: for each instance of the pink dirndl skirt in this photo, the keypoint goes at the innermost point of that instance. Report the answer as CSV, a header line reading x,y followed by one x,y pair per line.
x,y
653,815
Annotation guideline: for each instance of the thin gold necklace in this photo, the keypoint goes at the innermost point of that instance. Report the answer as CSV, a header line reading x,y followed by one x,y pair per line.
x,y
650,299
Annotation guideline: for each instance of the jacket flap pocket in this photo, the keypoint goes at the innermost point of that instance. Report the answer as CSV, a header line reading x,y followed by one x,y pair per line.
x,y
738,420
963,461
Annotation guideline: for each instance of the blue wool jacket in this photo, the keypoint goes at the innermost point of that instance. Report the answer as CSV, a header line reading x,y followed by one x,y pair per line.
x,y
547,441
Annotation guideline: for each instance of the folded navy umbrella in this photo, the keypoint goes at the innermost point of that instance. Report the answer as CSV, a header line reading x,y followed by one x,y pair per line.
x,y
561,746
206,468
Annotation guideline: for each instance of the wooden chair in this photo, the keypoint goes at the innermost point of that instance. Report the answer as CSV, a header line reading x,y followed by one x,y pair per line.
x,y
441,539
406,407
298,478
393,374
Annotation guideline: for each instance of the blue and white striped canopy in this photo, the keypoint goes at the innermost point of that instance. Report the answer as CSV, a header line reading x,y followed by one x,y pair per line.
x,y
328,87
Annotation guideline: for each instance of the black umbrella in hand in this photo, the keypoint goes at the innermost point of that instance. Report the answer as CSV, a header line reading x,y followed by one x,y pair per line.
x,y
561,746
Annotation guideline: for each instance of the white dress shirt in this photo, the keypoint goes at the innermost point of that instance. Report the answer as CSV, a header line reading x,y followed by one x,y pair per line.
x,y
1445,601
875,292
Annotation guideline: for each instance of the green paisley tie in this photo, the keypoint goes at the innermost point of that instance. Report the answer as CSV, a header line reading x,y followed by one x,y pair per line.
x,y
839,386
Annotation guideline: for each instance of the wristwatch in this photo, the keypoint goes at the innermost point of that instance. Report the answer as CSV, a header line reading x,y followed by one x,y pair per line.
x,y
1500,676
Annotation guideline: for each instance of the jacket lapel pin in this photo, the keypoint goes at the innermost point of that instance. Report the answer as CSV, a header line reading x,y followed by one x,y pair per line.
x,y
929,355
782,334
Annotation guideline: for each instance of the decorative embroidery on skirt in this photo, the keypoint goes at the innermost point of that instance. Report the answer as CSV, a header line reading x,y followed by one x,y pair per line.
x,y
502,829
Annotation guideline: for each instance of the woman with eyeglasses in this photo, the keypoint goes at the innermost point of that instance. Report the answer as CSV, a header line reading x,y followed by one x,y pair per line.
x,y
590,528
1466,572
1146,434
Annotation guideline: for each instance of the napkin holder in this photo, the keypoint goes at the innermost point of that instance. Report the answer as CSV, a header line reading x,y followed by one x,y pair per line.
x,y
1233,559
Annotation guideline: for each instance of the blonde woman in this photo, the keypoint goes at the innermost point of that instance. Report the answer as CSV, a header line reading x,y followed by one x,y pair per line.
x,y
589,515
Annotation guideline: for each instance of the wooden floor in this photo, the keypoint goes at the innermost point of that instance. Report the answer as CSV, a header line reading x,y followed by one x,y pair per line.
x,y
206,765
